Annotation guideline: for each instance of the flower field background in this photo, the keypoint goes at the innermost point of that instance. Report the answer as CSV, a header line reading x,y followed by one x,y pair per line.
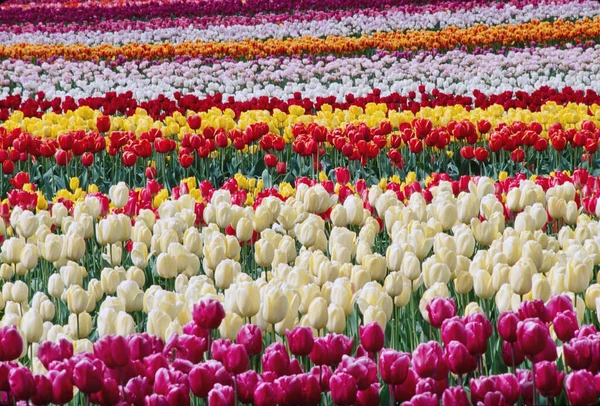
x,y
223,202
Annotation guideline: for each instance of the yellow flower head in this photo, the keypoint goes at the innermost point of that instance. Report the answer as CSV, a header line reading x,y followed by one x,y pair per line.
x,y
93,188
502,176
42,203
74,183
323,177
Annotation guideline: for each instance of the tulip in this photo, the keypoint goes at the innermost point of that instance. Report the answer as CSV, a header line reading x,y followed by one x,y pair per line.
x,y
201,380
459,360
372,337
533,309
22,383
87,375
507,326
343,388
428,360
300,340
548,380
221,395
476,337
112,350
43,393
137,389
393,366
62,386
480,387
423,399
276,359
235,359
455,396
530,333
264,394
508,386
250,336
440,309
208,314
11,343
453,329
565,324
580,388
578,353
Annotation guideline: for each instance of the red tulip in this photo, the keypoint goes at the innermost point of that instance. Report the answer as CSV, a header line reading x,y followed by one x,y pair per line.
x,y
415,145
467,152
372,337
22,383
440,309
300,340
484,126
270,160
580,388
250,336
281,168
194,121
65,141
343,388
393,366
186,160
208,314
517,155
342,175
87,159
103,124
62,157
87,375
8,167
481,154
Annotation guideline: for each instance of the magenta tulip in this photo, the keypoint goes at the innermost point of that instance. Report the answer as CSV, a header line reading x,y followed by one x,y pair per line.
x,y
372,337
319,353
407,389
580,388
483,320
343,388
440,309
428,360
108,395
137,389
531,309
300,340
22,383
221,396
236,359
549,352
340,345
208,314
423,399
476,337
11,343
289,389
264,394
393,366
62,386
219,347
578,353
558,304
458,358
565,324
508,385
276,359
453,329
548,379
201,380
364,370
246,384
250,336
525,377
88,374
323,374
512,354
49,352
139,347
112,350
43,393
295,367
156,400
455,396
369,396
507,326
530,334
479,387
179,395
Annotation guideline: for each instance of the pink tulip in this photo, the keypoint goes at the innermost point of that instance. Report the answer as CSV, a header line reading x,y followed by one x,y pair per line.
x,y
156,400
428,360
476,337
264,394
108,395
112,350
483,320
440,309
276,359
88,374
178,395
295,367
364,370
11,343
62,386
137,389
393,366
319,354
343,388
459,360
300,340
558,304
453,329
548,379
530,333
208,314
423,399
201,380
323,374
139,347
407,389
236,359
372,337
153,363
43,393
221,396
22,383
578,353
479,387
525,377
508,385
565,324
549,352
219,347
369,396
49,351
580,388
250,336
455,396
507,326
530,309
289,389
246,384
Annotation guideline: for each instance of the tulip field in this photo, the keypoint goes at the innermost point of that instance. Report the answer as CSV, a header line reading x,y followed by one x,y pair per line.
x,y
309,202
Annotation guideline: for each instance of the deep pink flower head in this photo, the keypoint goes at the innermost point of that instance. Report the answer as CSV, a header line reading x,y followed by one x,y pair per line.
x,y
22,383
363,369
423,399
11,343
153,363
156,400
88,374
507,326
113,350
289,389
236,359
578,353
549,353
372,337
407,389
512,354
295,367
246,384
440,309
480,318
201,380
49,352
534,309
43,392
300,340
108,395
455,396
221,396
62,386
208,314
369,396
530,333
508,385
250,336
219,347
458,358
580,388
428,360
480,386
139,346
565,324
548,379
557,304
393,366
453,329
343,388
276,359
137,389
264,394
